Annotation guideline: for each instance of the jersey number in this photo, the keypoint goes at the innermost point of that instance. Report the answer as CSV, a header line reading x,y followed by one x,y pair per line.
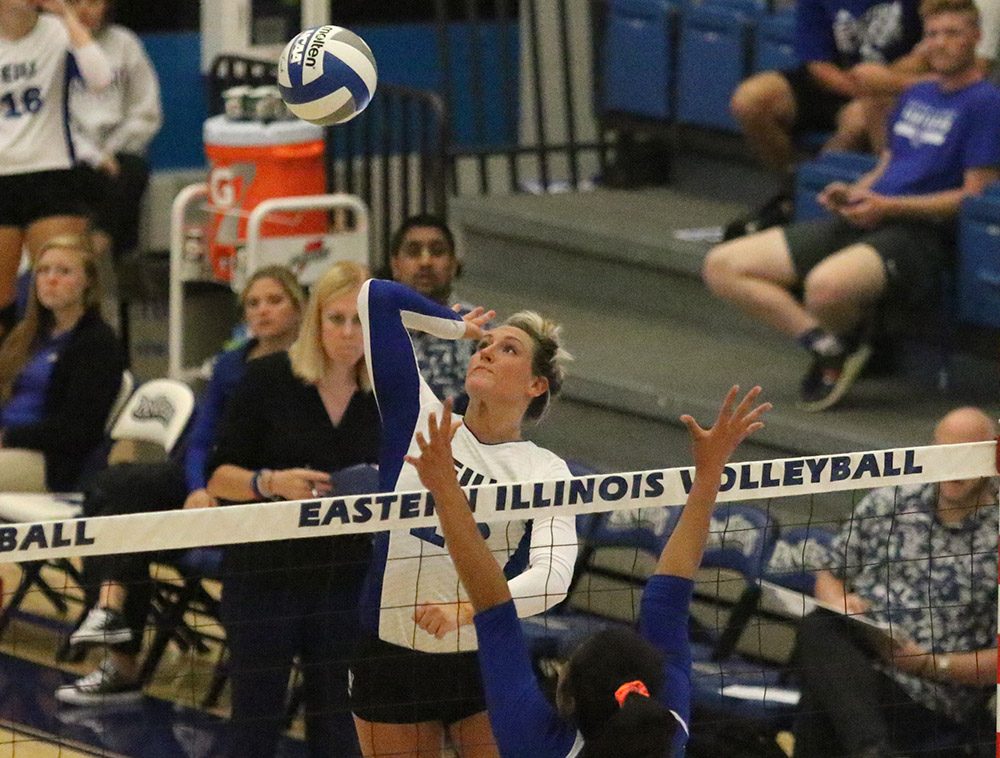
x,y
29,102
432,535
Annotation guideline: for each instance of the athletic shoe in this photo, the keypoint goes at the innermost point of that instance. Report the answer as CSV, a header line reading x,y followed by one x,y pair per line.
x,y
779,210
103,626
105,685
831,376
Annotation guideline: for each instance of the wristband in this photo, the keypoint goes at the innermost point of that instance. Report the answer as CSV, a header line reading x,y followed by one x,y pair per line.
x,y
255,484
266,490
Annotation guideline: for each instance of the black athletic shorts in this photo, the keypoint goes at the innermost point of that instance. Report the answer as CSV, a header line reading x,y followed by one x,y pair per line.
x,y
396,685
26,198
115,203
913,252
816,108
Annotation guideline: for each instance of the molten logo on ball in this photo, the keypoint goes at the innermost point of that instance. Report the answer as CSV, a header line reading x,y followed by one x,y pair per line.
x,y
327,75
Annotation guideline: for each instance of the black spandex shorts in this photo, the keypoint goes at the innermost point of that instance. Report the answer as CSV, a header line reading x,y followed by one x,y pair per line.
x,y
26,198
396,685
816,108
913,252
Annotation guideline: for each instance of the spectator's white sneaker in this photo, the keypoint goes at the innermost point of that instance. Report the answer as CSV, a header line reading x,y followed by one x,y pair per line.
x,y
105,685
103,626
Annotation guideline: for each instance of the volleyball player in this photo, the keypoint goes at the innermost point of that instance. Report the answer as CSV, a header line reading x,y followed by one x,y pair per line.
x,y
113,129
621,695
416,679
41,194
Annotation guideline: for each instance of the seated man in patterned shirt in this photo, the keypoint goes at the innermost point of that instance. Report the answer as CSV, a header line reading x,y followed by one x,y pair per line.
x,y
924,559
422,256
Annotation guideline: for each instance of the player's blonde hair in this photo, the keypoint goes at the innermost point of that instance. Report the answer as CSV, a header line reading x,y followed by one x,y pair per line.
x,y
549,359
306,354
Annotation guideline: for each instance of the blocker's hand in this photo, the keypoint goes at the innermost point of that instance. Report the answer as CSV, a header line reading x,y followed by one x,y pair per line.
x,y
712,447
435,465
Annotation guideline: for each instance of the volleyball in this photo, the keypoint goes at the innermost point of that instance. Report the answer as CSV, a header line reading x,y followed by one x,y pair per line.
x,y
327,75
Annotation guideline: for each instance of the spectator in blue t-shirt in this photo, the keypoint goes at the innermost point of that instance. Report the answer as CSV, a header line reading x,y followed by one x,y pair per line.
x,y
832,38
862,124
891,231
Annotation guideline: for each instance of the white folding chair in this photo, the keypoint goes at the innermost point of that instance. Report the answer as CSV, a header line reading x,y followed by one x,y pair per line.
x,y
157,412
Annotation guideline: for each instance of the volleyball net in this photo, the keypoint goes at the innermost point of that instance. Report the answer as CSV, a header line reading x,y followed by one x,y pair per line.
x,y
771,531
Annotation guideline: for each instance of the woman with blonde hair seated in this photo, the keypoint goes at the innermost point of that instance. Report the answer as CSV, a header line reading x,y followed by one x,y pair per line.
x,y
295,419
60,371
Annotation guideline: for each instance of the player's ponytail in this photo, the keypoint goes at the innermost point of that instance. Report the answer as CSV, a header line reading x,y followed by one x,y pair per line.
x,y
613,680
642,728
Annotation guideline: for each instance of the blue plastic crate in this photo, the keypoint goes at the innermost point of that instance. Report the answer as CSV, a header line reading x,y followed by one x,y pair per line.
x,y
979,260
637,58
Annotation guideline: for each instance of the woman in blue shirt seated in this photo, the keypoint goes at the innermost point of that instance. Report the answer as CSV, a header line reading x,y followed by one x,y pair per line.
x,y
621,695
60,371
272,304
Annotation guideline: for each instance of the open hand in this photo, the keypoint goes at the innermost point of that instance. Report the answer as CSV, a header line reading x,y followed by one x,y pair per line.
x,y
475,320
435,464
712,447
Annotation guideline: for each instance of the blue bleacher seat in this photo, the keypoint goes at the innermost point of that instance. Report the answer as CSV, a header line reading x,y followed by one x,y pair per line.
x,y
714,57
774,42
814,175
637,59
798,554
979,259
741,540
556,632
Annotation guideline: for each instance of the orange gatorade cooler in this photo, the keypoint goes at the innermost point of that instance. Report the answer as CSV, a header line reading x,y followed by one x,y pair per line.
x,y
250,162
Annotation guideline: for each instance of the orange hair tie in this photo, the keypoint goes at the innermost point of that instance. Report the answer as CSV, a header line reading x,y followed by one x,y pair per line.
x,y
628,688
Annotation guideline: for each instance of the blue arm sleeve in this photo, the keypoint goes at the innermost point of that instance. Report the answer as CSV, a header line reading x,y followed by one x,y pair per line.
x,y
524,723
393,366
226,374
813,32
663,620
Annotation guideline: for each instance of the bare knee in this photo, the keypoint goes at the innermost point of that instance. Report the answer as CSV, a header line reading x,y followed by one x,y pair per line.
x,y
826,290
719,270
725,267
765,97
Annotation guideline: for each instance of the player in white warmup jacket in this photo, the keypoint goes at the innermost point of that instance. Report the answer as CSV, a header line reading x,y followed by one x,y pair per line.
x,y
112,129
41,191
416,678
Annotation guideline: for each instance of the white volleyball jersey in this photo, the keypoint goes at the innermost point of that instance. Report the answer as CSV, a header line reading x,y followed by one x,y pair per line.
x,y
412,567
126,116
34,77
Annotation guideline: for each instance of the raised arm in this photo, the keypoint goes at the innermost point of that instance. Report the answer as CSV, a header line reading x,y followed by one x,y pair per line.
x,y
387,309
94,68
712,448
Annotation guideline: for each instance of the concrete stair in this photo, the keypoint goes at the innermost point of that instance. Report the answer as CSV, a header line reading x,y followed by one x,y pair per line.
x,y
651,343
